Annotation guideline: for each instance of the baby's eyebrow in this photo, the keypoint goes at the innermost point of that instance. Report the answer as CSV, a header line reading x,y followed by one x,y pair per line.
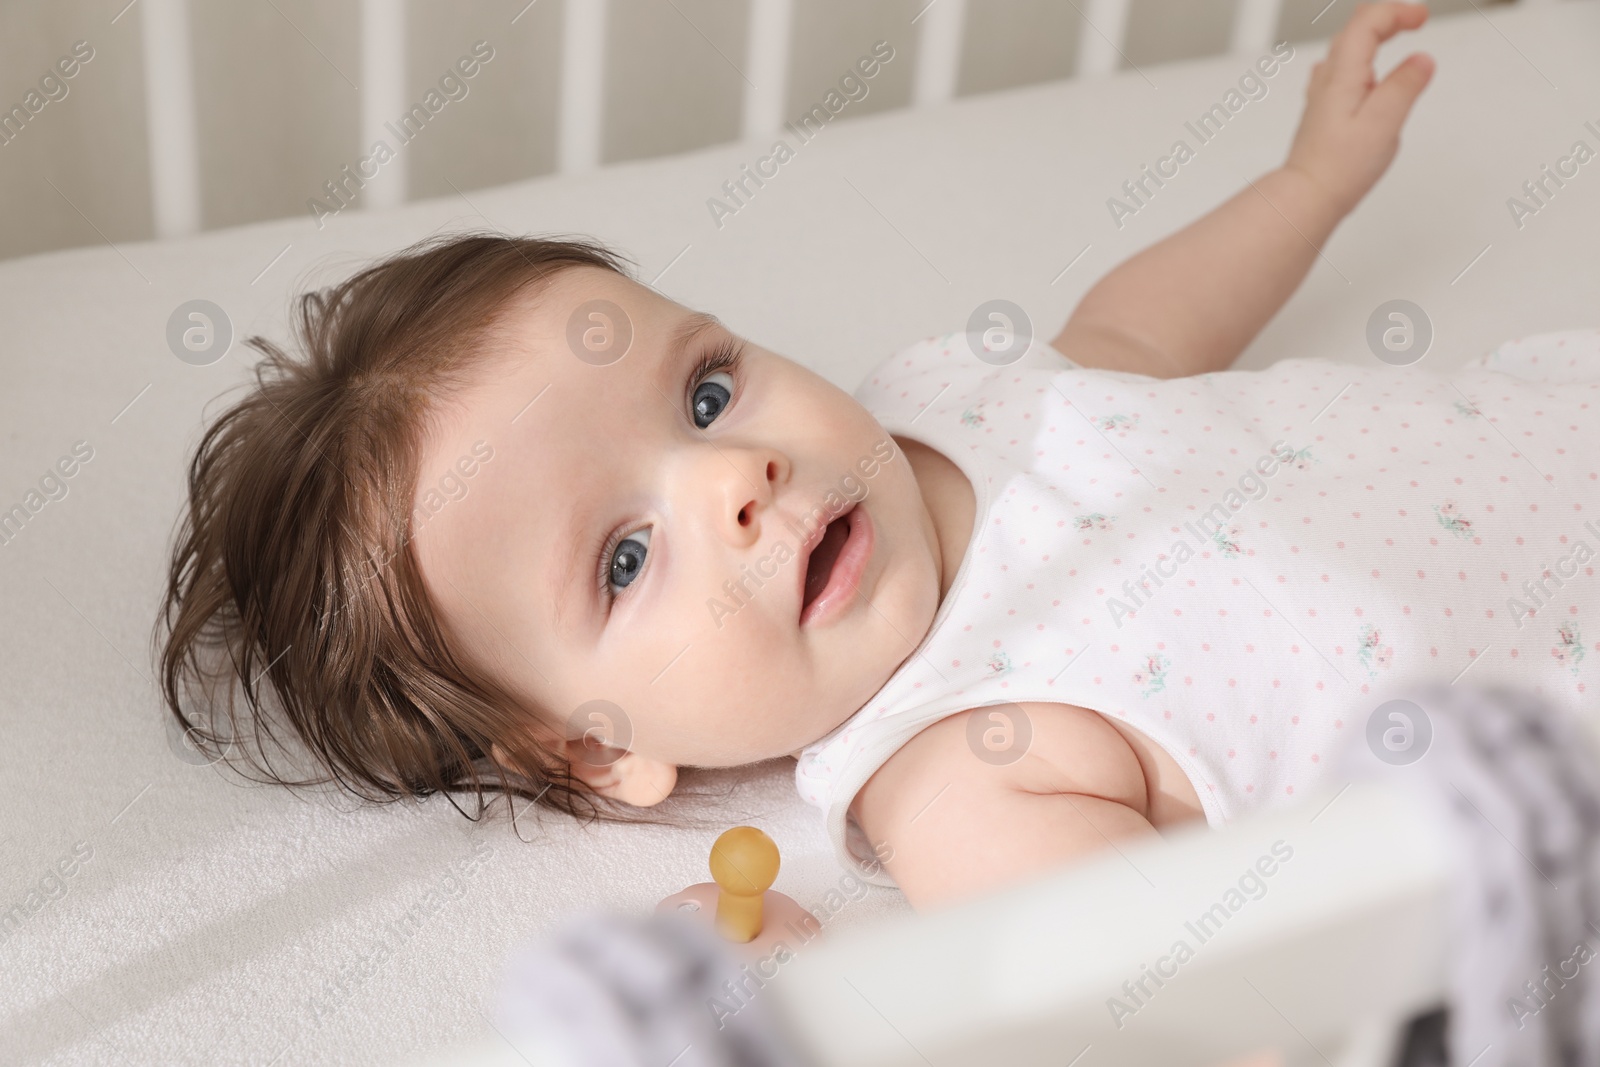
x,y
685,333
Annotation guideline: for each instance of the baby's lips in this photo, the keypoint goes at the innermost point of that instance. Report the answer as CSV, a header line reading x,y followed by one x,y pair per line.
x,y
802,558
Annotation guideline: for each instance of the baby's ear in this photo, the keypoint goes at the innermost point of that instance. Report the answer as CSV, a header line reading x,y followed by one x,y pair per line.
x,y
612,772
622,775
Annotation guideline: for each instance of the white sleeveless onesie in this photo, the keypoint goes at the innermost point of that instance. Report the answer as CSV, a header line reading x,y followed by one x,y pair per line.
x,y
1242,565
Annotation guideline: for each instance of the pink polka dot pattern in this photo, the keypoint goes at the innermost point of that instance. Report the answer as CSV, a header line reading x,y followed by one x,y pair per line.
x,y
1242,565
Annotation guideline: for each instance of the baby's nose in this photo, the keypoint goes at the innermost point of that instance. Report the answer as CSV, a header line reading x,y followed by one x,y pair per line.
x,y
748,492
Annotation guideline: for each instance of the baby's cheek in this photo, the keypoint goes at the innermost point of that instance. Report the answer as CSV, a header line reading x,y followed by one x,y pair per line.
x,y
858,421
757,659
831,408
742,661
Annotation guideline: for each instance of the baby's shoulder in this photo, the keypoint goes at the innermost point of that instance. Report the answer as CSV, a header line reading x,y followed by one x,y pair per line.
x,y
1030,746
991,795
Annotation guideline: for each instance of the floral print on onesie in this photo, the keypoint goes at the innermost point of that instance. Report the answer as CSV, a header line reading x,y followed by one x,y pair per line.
x,y
1243,565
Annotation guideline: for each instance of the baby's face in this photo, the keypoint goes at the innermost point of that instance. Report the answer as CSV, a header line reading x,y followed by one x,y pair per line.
x,y
647,535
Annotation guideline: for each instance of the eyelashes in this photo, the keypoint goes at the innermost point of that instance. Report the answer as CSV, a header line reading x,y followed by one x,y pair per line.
x,y
726,355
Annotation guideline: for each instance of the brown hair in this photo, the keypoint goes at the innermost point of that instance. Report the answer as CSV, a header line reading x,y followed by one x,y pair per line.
x,y
294,564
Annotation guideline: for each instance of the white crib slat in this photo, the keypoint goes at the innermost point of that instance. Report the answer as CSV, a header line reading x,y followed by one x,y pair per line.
x,y
583,46
1101,39
383,94
1255,23
767,59
940,26
171,130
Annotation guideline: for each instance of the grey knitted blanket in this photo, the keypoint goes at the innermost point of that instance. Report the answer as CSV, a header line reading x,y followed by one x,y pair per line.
x,y
1516,782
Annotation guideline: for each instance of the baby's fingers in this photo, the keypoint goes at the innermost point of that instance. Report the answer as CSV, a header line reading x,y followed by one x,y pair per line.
x,y
1350,55
1391,101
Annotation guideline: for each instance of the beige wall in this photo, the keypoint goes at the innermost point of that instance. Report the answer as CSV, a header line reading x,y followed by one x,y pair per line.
x,y
278,110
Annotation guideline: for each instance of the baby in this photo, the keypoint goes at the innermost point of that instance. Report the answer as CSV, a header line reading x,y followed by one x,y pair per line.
x,y
518,522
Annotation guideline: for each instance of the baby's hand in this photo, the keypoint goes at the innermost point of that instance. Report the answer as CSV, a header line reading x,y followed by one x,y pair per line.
x,y
1351,126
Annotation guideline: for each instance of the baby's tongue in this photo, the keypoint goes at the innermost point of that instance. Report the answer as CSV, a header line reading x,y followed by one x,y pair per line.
x,y
823,557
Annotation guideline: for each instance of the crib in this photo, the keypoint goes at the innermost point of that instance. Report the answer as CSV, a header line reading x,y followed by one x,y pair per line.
x,y
217,923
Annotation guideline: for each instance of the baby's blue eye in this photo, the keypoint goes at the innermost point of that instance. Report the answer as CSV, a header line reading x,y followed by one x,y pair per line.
x,y
711,397
627,559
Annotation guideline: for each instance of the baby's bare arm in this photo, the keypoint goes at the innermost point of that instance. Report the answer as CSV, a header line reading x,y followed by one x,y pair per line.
x,y
957,825
1192,302
983,837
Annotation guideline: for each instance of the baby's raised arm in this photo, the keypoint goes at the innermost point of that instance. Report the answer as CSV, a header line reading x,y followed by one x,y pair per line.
x,y
1191,303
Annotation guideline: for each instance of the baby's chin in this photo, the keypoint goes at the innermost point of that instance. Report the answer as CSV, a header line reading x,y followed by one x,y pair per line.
x,y
788,743
824,730
802,747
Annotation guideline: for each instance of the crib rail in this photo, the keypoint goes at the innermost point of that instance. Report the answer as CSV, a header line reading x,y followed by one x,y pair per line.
x,y
175,178
1347,935
946,44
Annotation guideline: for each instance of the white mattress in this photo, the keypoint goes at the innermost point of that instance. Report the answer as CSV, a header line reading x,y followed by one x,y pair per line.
x,y
213,921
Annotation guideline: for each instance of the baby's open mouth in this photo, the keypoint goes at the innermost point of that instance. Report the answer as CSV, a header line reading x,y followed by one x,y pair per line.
x,y
819,568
